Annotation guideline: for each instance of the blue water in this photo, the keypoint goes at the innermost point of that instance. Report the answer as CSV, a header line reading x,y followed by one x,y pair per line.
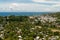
x,y
21,13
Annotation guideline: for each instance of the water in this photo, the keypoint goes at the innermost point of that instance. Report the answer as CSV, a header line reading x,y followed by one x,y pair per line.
x,y
21,13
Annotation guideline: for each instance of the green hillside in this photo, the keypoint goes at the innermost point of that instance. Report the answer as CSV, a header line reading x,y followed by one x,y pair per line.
x,y
44,27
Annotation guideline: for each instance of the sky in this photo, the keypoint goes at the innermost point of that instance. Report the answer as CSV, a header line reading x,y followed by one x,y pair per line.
x,y
29,5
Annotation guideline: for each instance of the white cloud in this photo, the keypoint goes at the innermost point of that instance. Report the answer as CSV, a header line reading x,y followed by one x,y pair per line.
x,y
24,7
46,1
30,7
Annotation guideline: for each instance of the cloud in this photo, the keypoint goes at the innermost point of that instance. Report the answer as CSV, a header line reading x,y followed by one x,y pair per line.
x,y
46,1
29,7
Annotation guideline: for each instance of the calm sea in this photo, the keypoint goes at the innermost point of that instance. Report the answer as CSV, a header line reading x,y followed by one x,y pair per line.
x,y
21,13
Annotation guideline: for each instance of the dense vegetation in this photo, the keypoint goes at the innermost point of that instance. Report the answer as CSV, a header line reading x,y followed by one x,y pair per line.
x,y
24,28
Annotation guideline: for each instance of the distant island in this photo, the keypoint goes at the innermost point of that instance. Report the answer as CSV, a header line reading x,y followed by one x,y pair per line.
x,y
23,13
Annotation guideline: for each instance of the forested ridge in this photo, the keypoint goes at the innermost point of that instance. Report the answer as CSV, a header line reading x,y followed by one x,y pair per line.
x,y
44,27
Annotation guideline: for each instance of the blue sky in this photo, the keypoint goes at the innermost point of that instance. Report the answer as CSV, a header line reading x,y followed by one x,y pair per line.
x,y
29,5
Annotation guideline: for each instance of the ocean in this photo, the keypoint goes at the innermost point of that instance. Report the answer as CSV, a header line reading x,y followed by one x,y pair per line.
x,y
22,13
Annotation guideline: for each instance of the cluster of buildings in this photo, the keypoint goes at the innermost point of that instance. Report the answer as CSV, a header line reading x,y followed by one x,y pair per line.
x,y
43,18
